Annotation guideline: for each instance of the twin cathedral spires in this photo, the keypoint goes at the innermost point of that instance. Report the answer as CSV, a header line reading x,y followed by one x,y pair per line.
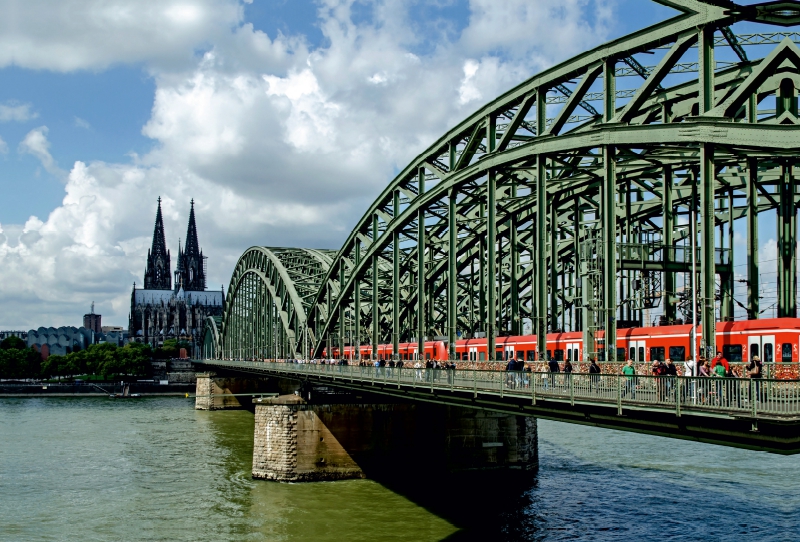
x,y
190,273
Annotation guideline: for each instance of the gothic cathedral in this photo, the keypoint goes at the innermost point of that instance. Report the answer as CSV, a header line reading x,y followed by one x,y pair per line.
x,y
160,311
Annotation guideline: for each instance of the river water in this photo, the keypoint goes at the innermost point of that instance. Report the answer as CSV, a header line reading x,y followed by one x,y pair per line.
x,y
156,469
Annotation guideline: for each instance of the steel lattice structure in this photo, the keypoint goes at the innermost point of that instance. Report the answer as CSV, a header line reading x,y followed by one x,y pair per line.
x,y
565,203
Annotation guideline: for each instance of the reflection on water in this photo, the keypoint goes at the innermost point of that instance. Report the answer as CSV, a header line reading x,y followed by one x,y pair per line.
x,y
156,469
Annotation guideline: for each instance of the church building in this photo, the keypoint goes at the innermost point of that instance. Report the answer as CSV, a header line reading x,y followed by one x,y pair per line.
x,y
163,310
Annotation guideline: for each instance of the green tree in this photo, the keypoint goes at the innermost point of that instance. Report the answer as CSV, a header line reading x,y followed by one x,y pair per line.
x,y
13,343
19,362
134,359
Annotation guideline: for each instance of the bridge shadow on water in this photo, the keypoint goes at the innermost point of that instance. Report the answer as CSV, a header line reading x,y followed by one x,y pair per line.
x,y
591,484
482,505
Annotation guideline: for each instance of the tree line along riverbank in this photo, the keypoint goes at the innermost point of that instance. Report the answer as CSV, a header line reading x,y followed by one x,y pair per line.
x,y
106,361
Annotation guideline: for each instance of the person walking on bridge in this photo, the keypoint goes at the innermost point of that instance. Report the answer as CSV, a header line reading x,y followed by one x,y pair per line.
x,y
511,366
690,371
567,372
630,384
754,372
672,376
594,371
553,366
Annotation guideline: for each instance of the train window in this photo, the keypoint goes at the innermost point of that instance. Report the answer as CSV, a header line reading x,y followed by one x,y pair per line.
x,y
641,353
732,352
657,353
678,353
754,350
482,356
427,355
621,354
632,355
601,355
521,355
549,355
464,356
530,355
786,352
768,358
559,354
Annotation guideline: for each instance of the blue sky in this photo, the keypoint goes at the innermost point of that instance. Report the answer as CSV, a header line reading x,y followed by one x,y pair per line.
x,y
281,118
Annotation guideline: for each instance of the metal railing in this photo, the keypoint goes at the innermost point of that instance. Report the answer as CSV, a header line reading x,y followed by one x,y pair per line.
x,y
731,396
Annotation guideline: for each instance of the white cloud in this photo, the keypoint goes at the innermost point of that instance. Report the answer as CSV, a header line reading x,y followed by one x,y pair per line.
x,y
13,111
90,34
82,123
35,143
278,144
3,146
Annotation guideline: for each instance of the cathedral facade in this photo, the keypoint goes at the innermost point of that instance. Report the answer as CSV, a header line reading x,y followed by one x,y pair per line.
x,y
167,309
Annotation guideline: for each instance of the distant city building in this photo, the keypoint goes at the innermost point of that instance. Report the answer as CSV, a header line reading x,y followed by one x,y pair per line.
x,y
159,311
61,341
11,333
67,339
109,329
92,321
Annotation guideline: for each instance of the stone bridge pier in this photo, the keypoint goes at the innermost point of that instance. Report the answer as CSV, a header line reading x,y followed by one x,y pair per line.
x,y
220,392
307,433
298,440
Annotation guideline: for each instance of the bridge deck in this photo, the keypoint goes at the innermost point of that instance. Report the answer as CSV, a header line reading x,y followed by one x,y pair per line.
x,y
745,413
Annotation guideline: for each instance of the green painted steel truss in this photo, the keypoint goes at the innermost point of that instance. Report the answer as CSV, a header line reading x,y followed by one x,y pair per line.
x,y
564,204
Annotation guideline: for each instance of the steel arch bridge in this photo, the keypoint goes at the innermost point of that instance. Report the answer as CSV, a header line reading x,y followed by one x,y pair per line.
x,y
567,203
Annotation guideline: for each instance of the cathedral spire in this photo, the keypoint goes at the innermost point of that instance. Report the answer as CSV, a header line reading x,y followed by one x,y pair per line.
x,y
191,267
157,274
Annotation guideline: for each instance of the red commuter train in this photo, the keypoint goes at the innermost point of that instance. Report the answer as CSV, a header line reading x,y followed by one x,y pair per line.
x,y
774,340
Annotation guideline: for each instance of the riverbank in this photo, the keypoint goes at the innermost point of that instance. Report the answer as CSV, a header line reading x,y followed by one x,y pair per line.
x,y
98,389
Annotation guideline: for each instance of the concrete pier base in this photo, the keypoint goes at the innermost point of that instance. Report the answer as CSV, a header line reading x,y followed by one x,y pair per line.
x,y
296,441
214,392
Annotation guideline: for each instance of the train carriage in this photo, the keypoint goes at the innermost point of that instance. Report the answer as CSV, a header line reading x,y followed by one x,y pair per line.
x,y
773,340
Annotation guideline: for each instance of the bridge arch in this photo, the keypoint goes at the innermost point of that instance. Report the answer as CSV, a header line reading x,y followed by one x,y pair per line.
x,y
563,204
267,301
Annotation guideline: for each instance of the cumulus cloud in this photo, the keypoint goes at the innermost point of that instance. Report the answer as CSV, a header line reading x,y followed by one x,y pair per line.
x,y
279,144
3,146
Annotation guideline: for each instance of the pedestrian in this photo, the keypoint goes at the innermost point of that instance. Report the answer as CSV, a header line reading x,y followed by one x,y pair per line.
x,y
755,372
511,366
718,359
703,373
718,371
671,372
690,371
594,371
659,370
553,366
630,383
418,369
567,372
519,367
